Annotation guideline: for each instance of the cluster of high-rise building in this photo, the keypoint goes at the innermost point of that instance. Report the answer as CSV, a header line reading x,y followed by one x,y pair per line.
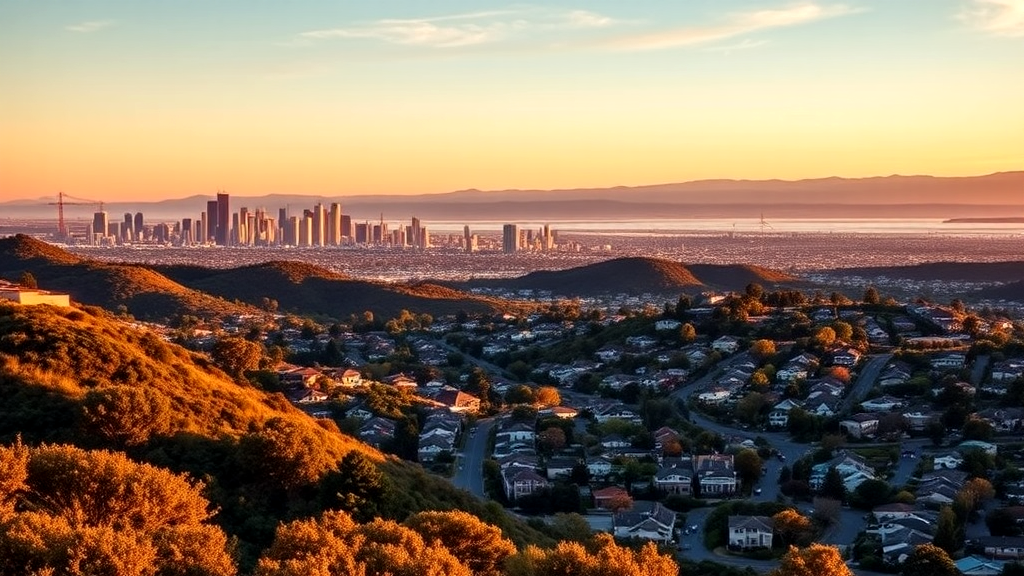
x,y
320,226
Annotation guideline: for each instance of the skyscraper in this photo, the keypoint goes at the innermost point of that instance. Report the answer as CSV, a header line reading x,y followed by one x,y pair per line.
x,y
319,225
223,219
347,230
128,228
468,239
334,225
186,232
99,224
139,226
510,238
213,221
414,234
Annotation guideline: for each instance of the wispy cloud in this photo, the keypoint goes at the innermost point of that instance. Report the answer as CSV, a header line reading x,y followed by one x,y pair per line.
x,y
738,24
746,44
467,29
997,17
90,26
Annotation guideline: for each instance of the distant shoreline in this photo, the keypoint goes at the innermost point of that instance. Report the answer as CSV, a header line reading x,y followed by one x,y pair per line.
x,y
1007,220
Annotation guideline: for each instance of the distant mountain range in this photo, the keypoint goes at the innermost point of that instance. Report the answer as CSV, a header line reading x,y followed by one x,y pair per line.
x,y
993,195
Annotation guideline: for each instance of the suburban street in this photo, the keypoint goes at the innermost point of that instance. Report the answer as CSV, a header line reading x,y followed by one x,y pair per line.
x,y
469,475
865,380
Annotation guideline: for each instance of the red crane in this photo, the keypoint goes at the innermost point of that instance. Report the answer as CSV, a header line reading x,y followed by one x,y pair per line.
x,y
62,228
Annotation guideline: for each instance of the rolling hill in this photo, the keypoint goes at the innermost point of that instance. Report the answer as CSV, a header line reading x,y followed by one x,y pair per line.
x,y
143,292
640,275
948,271
309,289
164,292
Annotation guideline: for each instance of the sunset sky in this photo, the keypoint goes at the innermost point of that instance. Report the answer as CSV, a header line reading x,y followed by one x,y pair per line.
x,y
120,100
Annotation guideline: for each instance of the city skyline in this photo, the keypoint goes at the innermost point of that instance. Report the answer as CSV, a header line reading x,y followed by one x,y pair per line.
x,y
126,101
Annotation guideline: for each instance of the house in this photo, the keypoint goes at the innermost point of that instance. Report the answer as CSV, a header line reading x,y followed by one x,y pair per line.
x,y
844,357
307,396
882,404
675,477
667,324
986,447
32,296
607,498
615,441
715,474
1008,370
519,432
377,431
351,378
949,361
458,401
919,417
887,512
646,520
715,395
863,425
599,467
519,482
779,415
560,467
725,345
1003,547
950,461
431,447
563,412
852,469
979,566
402,382
747,532
1002,419
298,377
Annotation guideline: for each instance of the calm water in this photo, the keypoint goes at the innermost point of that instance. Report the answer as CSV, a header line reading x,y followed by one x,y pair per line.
x,y
755,225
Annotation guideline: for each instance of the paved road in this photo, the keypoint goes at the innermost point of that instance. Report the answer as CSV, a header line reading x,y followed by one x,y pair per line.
x,y
865,380
470,475
978,371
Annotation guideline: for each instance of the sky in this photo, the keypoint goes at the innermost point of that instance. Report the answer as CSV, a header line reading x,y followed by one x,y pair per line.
x,y
124,100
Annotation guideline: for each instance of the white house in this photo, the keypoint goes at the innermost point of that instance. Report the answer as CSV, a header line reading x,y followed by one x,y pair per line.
x,y
858,426
725,345
746,532
667,324
646,520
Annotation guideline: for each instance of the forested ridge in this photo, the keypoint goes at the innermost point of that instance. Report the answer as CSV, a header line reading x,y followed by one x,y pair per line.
x,y
123,454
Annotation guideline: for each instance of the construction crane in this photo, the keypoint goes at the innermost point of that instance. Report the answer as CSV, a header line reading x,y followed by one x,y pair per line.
x,y
62,228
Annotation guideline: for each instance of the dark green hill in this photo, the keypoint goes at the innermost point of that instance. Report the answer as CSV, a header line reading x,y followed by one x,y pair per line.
x,y
736,277
1013,291
948,271
638,276
82,377
146,294
309,289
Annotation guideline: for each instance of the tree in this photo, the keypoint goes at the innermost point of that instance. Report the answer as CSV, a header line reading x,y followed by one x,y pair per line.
x,y
284,454
948,531
793,528
28,280
748,465
929,560
871,296
841,373
824,337
815,560
748,409
357,487
759,380
978,429
827,510
551,440
832,486
519,394
687,333
871,493
607,559
844,331
236,356
481,547
547,396
125,415
571,526
763,349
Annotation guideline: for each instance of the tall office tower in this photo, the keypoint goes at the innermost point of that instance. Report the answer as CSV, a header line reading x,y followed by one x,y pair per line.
x,y
319,225
414,234
467,239
161,232
197,232
223,219
334,225
204,229
347,230
114,232
139,226
362,234
547,240
242,227
282,216
398,237
529,239
291,231
510,238
99,224
424,239
378,234
212,221
233,229
185,238
306,230
128,228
